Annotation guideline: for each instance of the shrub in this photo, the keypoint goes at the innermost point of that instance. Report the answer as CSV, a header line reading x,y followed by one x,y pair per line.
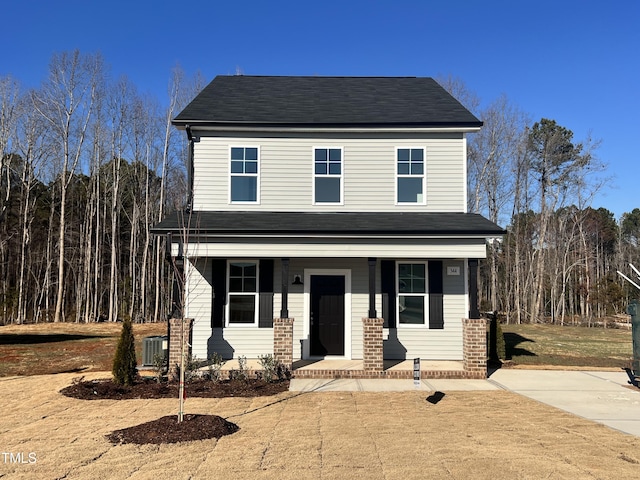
x,y
269,367
501,346
191,366
273,370
242,372
124,363
159,366
215,366
500,351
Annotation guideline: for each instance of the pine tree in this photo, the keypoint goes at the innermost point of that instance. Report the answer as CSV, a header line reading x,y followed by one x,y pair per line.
x,y
124,363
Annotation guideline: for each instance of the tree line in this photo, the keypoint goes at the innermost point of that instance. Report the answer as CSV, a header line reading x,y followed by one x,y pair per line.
x,y
88,164
559,259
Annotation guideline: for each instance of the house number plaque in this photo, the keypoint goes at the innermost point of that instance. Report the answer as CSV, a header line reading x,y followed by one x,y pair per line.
x,y
453,270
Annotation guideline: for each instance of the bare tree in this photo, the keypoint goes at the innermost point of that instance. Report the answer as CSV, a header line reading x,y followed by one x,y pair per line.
x,y
493,153
9,96
31,145
66,102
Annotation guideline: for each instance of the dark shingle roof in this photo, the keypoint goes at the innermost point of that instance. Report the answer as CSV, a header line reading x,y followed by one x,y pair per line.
x,y
325,101
291,223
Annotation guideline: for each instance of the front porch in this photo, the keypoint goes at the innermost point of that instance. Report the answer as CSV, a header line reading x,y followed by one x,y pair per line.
x,y
392,369
373,366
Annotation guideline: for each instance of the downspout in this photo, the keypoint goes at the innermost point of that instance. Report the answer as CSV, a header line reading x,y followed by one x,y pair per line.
x,y
192,140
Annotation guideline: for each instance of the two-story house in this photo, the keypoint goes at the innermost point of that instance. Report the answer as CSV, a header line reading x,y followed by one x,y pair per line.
x,y
328,219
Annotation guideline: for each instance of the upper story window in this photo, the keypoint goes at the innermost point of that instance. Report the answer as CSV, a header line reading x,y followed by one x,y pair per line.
x,y
410,175
327,173
244,181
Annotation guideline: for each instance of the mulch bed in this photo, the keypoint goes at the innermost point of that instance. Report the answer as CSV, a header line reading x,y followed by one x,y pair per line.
x,y
167,429
145,388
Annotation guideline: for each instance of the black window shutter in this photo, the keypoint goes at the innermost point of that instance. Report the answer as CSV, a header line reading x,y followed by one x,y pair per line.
x,y
265,285
436,311
219,284
388,287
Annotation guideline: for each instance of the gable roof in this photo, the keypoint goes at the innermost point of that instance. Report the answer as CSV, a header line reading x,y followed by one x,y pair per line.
x,y
325,101
326,224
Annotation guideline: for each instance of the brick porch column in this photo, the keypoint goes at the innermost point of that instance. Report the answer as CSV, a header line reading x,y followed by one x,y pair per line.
x,y
372,344
474,347
179,332
283,341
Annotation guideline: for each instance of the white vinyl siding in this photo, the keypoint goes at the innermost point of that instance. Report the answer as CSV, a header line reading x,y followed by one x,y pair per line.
x,y
198,274
368,173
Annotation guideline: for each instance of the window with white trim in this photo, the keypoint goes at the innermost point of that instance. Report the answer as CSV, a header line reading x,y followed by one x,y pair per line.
x,y
412,293
410,182
244,180
327,173
243,293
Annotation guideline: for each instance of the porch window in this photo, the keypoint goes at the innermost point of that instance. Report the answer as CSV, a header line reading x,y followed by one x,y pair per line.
x,y
410,175
244,175
243,293
327,174
412,293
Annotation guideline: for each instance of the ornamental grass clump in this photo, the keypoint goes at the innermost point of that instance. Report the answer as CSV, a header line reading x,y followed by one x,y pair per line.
x,y
124,363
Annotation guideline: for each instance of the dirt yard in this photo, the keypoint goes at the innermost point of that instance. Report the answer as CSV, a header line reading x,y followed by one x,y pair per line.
x,y
466,435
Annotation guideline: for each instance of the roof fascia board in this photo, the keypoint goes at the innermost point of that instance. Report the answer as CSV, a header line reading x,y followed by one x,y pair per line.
x,y
343,129
197,236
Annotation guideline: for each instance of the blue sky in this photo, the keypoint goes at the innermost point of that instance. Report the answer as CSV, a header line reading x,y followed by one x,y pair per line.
x,y
574,61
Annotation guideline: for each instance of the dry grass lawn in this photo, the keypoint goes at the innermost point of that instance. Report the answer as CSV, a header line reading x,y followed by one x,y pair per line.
x,y
568,346
478,435
65,347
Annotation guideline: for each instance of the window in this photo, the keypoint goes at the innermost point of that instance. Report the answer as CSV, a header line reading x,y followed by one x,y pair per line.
x,y
327,175
412,293
243,288
410,173
244,174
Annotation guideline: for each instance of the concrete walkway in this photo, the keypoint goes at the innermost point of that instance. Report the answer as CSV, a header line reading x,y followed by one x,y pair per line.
x,y
388,385
603,397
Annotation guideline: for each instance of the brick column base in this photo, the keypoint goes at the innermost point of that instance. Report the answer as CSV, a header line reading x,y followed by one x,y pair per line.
x,y
372,344
474,347
283,341
179,332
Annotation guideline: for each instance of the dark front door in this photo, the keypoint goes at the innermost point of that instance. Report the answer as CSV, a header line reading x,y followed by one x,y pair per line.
x,y
327,315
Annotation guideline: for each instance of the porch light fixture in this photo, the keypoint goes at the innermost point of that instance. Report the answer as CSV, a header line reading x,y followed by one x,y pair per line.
x,y
297,280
